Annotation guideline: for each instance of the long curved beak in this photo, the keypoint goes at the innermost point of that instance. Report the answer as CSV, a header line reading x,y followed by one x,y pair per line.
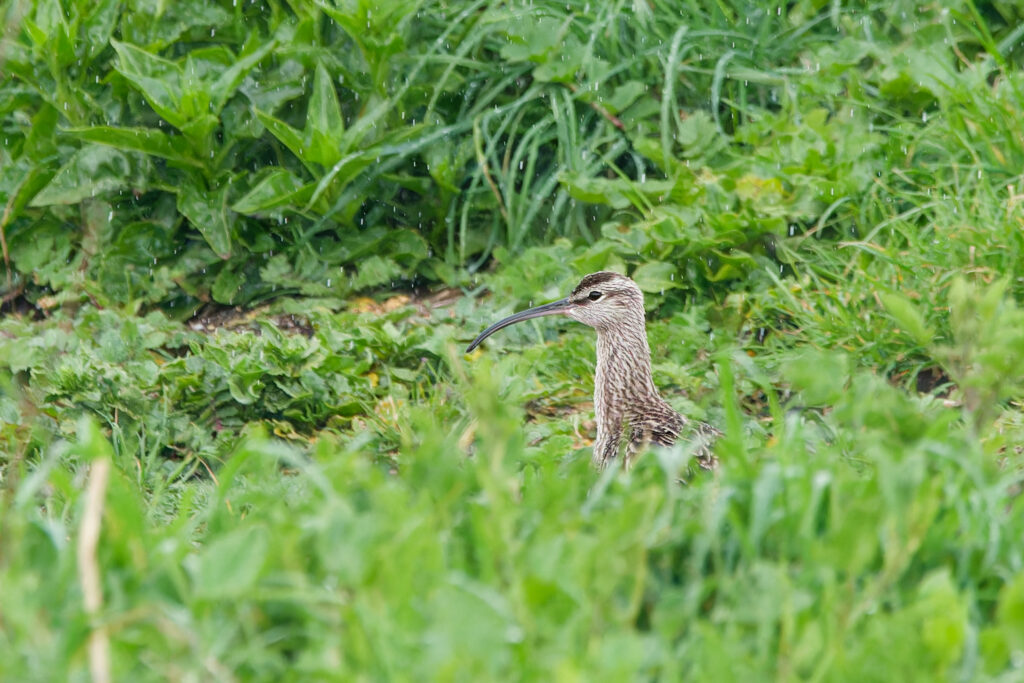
x,y
554,308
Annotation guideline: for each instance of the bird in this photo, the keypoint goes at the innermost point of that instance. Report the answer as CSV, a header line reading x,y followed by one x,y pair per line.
x,y
624,392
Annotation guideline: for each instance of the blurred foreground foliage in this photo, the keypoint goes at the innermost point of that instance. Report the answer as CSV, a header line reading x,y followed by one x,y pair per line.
x,y
823,202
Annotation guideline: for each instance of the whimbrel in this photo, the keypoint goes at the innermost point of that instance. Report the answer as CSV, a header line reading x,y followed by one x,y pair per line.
x,y
624,391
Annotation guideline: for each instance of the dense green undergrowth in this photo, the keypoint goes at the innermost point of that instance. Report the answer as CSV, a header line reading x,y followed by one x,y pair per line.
x,y
233,153
823,203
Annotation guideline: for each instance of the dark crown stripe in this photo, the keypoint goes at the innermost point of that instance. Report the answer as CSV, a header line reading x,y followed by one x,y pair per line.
x,y
595,279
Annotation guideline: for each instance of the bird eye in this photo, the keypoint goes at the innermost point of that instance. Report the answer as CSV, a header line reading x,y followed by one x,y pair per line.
x,y
594,296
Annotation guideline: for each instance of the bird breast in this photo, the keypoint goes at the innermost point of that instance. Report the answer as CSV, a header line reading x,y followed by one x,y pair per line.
x,y
622,379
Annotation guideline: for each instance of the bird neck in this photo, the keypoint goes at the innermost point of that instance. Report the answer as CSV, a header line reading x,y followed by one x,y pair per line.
x,y
624,363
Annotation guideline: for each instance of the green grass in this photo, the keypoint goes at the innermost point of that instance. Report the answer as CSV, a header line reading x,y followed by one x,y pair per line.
x,y
822,202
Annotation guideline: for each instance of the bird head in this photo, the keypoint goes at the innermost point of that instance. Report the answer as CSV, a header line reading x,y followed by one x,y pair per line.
x,y
603,300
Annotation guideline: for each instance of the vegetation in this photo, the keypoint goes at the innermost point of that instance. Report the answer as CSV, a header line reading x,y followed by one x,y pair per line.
x,y
245,243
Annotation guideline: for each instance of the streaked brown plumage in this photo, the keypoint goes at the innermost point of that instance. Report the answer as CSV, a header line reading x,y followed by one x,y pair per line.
x,y
624,391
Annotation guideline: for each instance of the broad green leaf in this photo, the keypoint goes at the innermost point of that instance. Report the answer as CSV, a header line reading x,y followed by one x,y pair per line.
x,y
199,131
652,149
561,65
146,140
728,265
52,21
613,193
340,175
196,93
376,28
407,247
91,171
141,241
155,25
530,38
231,564
624,95
159,80
225,288
820,376
41,141
698,134
441,163
994,649
908,317
656,276
207,212
325,128
36,33
278,188
98,24
675,224
47,248
942,613
619,193
1011,610
366,129
918,74
227,83
19,183
288,136
376,270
